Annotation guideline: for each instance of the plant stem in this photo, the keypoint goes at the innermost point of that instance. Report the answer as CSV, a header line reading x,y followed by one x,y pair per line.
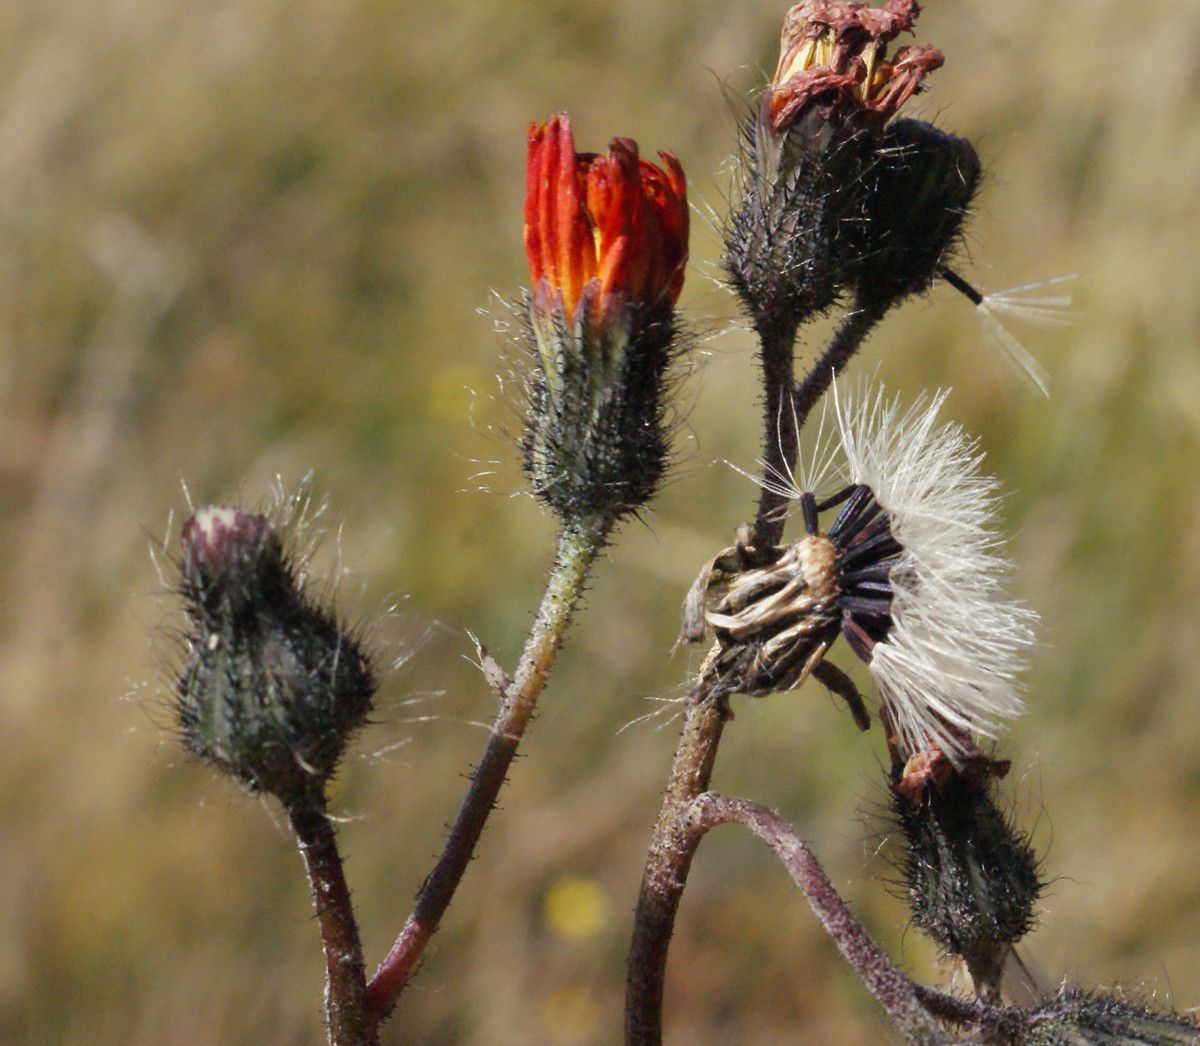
x,y
349,1020
840,350
577,550
673,846
894,992
787,407
955,1009
667,862
781,432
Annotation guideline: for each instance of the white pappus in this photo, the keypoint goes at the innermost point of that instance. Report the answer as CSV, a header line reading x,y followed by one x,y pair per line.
x,y
910,572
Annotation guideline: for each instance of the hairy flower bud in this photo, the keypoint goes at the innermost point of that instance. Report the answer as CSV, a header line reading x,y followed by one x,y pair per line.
x,y
272,688
790,237
920,192
607,241
971,878
1074,1016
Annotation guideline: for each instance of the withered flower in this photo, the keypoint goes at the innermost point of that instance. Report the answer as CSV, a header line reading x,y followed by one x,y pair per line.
x,y
607,242
908,572
833,63
837,198
877,204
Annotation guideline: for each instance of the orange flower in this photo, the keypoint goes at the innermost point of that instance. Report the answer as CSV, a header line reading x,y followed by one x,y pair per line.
x,y
610,229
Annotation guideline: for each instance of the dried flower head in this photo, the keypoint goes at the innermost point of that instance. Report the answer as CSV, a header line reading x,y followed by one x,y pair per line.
x,y
833,62
607,242
908,572
272,687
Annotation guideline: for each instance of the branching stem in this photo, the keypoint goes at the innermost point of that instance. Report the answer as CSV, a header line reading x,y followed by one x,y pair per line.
x,y
841,350
894,992
667,862
577,550
672,846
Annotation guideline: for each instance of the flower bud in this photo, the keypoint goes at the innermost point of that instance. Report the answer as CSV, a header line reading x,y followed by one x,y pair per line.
x,y
607,241
921,188
1075,1016
790,238
272,688
971,878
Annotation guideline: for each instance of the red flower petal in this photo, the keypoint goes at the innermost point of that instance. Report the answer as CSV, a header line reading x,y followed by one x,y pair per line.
x,y
616,217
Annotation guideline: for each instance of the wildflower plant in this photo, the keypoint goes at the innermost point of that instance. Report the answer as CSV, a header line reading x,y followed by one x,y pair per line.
x,y
834,197
272,689
898,558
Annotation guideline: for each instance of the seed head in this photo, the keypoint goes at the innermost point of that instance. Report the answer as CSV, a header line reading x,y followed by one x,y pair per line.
x,y
917,585
956,646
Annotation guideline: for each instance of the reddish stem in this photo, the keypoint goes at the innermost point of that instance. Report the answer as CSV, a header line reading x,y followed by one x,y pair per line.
x,y
348,1017
668,860
576,552
894,992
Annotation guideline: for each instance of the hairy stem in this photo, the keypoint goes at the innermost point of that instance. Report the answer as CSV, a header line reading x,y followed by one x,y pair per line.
x,y
841,349
953,1008
667,863
577,550
349,1020
894,992
787,407
781,432
673,845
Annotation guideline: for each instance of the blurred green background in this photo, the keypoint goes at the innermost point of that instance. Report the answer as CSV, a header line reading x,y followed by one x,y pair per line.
x,y
244,239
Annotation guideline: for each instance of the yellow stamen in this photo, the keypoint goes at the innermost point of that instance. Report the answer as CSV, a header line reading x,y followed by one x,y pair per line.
x,y
801,60
824,55
815,51
867,87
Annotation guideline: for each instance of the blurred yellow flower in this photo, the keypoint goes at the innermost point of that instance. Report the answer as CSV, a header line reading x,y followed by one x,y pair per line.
x,y
575,907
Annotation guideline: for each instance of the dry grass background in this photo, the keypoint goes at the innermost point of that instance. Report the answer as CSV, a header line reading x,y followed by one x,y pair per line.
x,y
245,238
